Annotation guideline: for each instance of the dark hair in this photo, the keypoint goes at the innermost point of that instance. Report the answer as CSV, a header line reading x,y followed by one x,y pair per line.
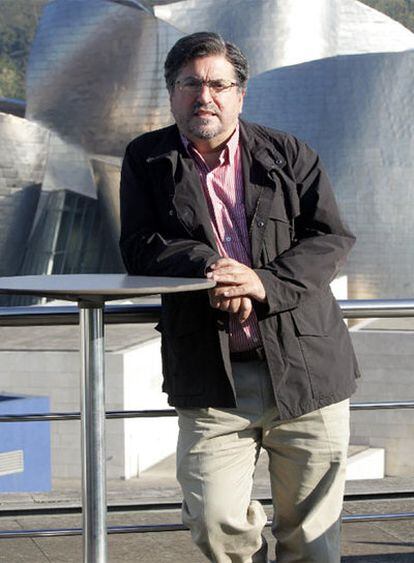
x,y
203,44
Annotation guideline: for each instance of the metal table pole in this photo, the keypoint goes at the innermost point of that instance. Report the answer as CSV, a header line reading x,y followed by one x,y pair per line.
x,y
93,433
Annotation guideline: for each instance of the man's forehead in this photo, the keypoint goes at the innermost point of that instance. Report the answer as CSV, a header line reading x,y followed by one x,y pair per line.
x,y
208,64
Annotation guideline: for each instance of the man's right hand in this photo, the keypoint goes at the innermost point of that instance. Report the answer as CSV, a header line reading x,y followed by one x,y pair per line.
x,y
242,306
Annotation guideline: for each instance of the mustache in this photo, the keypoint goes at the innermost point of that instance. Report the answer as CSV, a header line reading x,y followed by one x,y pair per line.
x,y
205,107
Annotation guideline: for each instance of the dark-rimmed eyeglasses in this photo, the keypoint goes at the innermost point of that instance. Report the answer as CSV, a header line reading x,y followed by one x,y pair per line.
x,y
193,85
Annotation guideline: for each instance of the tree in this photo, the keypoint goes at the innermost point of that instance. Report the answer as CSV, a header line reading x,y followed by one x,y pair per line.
x,y
401,11
18,21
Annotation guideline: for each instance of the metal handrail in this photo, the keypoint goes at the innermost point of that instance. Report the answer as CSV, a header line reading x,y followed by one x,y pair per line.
x,y
51,315
45,315
144,313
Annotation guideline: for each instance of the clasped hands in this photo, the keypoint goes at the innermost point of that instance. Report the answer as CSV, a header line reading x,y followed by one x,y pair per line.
x,y
237,285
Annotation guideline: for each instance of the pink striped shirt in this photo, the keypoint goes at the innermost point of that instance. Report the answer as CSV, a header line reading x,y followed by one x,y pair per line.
x,y
224,191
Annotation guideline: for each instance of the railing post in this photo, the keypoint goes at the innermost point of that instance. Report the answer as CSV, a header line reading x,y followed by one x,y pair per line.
x,y
93,433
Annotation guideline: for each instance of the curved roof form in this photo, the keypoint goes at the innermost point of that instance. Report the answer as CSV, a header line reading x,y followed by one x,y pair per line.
x,y
276,33
334,72
95,73
95,70
356,110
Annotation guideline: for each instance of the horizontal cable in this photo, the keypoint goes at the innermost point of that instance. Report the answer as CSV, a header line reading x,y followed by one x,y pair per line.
x,y
382,405
145,528
52,417
350,518
54,510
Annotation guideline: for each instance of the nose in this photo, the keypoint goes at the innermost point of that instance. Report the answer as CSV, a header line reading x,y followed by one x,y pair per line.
x,y
204,95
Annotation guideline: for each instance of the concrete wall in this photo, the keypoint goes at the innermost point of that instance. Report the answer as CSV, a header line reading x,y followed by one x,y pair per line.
x,y
147,440
133,381
387,363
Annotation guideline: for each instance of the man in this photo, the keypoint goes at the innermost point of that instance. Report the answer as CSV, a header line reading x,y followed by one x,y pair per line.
x,y
264,359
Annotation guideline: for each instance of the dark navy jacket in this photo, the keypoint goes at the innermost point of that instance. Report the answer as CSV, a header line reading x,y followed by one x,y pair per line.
x,y
298,244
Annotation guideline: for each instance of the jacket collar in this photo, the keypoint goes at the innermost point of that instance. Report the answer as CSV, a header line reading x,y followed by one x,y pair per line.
x,y
168,147
257,144
261,163
260,147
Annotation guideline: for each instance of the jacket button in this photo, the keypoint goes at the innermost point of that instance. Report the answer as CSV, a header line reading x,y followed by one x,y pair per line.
x,y
260,224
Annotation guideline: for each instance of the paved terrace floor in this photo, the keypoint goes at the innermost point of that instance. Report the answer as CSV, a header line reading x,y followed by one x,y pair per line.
x,y
388,542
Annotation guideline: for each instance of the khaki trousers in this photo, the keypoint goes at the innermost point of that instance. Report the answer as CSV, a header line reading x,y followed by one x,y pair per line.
x,y
216,456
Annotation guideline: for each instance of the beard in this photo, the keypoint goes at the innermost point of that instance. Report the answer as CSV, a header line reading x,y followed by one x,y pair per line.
x,y
200,127
204,129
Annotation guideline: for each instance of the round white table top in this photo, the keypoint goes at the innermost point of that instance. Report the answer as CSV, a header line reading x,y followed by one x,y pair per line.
x,y
98,287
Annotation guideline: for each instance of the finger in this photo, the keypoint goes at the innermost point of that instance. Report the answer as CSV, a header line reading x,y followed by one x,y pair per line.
x,y
223,291
219,292
245,310
212,298
229,278
221,271
224,304
233,267
226,283
222,262
234,305
216,300
227,264
235,291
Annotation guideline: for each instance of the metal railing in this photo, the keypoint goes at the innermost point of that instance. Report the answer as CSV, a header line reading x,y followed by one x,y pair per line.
x,y
121,314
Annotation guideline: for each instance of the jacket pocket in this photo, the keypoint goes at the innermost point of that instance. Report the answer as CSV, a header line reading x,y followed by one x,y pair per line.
x,y
325,346
310,323
279,234
318,316
278,209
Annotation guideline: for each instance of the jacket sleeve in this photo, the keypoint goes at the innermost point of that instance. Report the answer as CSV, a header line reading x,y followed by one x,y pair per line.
x,y
321,240
145,249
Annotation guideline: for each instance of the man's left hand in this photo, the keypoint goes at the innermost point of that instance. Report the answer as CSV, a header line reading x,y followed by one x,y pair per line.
x,y
235,279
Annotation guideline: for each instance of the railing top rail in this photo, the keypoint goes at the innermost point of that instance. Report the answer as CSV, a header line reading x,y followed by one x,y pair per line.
x,y
381,308
45,315
146,313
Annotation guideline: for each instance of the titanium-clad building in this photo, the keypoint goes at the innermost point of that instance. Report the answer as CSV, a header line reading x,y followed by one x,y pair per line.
x,y
334,72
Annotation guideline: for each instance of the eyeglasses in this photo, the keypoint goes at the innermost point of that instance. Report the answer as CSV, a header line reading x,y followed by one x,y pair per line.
x,y
192,85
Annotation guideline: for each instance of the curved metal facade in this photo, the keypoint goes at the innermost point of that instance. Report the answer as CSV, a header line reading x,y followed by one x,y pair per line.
x,y
95,73
357,112
23,154
276,33
334,72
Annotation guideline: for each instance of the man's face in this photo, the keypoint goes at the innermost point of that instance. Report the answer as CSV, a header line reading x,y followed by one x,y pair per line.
x,y
206,115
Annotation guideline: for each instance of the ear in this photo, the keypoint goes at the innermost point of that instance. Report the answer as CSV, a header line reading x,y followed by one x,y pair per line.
x,y
242,93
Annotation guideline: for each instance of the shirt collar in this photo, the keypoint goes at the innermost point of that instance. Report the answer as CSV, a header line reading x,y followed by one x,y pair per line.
x,y
228,153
